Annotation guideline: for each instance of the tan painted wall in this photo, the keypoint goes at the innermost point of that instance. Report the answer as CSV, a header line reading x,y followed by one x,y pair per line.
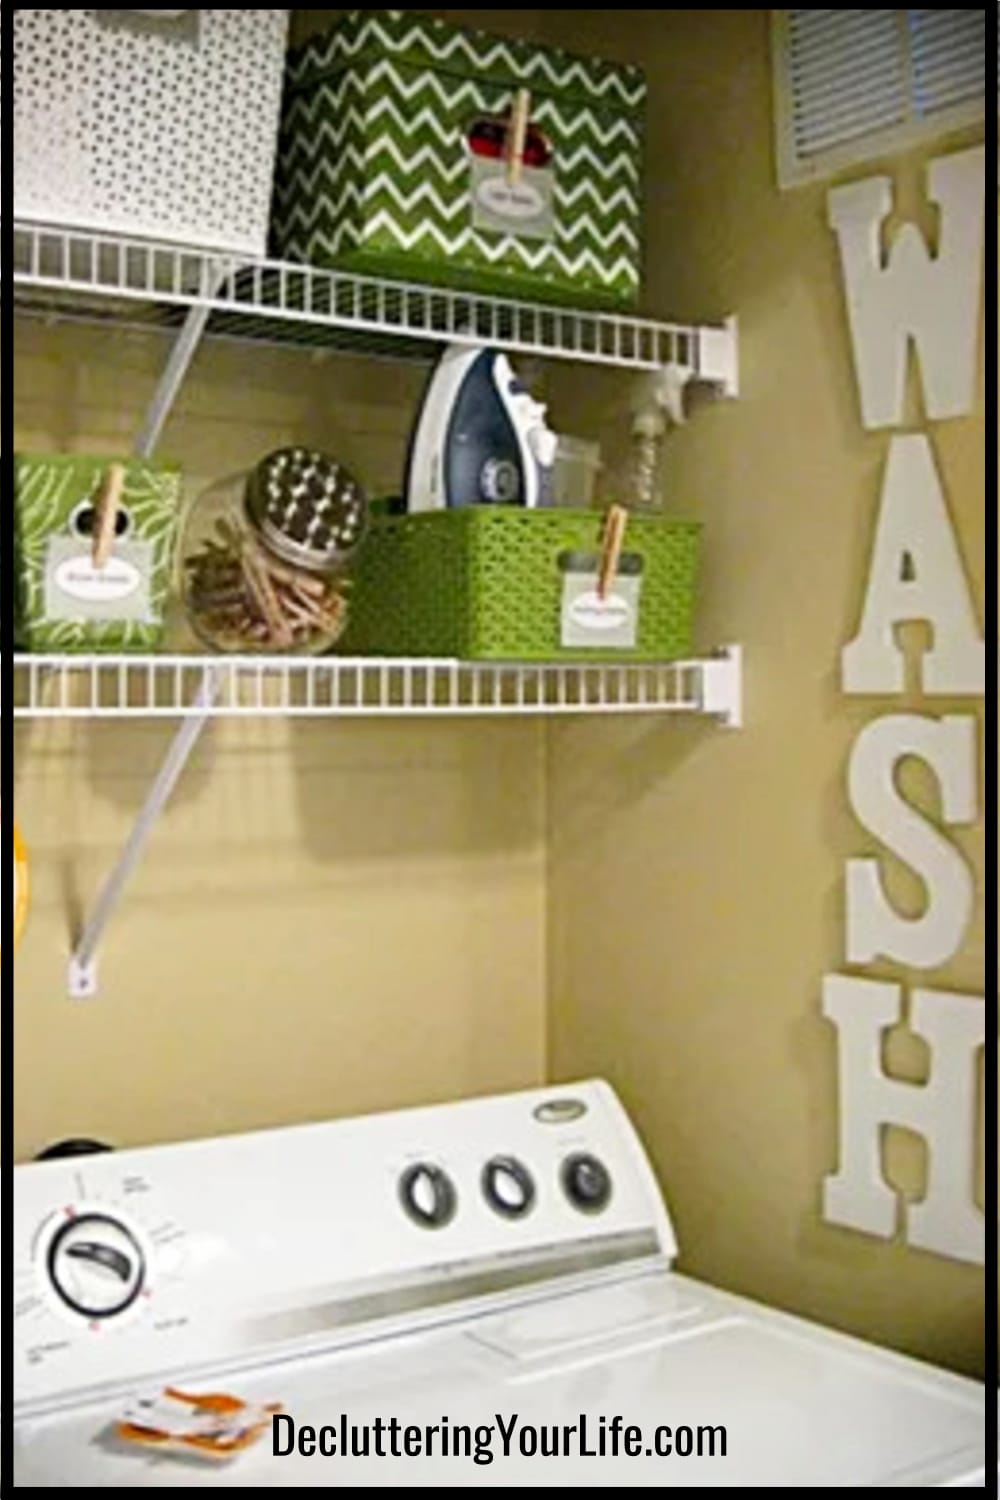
x,y
334,919
696,876
322,924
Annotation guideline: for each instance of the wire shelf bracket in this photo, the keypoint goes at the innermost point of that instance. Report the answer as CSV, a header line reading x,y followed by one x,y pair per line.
x,y
722,687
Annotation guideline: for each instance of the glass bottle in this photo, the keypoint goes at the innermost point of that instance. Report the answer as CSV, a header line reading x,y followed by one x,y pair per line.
x,y
658,403
645,459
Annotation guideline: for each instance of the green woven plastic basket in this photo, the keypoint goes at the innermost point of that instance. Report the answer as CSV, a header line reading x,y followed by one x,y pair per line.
x,y
485,583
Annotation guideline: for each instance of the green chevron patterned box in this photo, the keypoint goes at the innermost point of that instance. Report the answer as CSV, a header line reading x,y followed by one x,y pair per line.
x,y
395,160
64,601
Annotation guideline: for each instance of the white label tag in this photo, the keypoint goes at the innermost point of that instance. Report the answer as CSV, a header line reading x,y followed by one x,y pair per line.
x,y
76,590
590,621
523,209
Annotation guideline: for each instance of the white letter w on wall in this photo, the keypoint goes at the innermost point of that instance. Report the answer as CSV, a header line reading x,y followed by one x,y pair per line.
x,y
934,301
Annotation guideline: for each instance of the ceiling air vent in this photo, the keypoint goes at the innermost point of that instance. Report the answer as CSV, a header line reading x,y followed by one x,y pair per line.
x,y
854,84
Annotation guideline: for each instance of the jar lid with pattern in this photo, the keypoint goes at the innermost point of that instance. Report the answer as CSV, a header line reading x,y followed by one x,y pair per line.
x,y
308,508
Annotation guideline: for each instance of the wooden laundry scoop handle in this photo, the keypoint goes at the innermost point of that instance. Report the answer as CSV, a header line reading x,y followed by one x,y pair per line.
x,y
106,508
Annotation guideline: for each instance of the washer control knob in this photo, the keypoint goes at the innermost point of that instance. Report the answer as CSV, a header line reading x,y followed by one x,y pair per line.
x,y
508,1186
586,1182
96,1265
428,1195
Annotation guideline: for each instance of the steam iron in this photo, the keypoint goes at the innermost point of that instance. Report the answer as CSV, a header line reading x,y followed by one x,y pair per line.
x,y
480,439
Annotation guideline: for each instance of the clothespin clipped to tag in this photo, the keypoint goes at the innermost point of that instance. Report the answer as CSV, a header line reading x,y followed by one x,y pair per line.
x,y
106,509
517,134
611,549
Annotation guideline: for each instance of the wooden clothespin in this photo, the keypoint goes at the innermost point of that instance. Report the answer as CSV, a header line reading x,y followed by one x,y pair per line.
x,y
106,509
517,134
611,549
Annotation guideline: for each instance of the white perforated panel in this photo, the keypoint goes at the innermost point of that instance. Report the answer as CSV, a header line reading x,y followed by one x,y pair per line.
x,y
150,123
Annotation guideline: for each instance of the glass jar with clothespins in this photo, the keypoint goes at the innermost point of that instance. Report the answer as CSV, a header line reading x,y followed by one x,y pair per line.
x,y
264,555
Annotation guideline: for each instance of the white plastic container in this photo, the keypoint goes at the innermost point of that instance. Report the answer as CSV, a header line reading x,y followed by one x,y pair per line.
x,y
160,124
574,473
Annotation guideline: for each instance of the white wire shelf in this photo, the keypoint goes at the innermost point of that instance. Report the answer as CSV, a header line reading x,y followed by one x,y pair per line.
x,y
171,687
110,279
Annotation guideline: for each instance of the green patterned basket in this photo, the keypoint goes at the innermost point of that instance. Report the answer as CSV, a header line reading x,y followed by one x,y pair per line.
x,y
486,583
63,603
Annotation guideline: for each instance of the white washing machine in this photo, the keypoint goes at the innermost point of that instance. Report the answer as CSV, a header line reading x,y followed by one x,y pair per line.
x,y
478,1293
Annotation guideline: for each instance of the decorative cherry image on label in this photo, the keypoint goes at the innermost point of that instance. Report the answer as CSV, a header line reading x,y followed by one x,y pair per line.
x,y
487,137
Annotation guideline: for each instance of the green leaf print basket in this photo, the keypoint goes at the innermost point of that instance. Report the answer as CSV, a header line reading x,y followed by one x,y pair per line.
x,y
69,598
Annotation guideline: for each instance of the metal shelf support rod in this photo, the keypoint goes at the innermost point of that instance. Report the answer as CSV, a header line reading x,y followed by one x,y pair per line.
x,y
185,346
83,964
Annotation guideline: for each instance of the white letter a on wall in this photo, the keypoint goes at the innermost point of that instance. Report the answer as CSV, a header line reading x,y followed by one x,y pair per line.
x,y
933,301
916,574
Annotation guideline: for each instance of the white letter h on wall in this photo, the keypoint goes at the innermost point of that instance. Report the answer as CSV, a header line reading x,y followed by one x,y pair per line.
x,y
942,1111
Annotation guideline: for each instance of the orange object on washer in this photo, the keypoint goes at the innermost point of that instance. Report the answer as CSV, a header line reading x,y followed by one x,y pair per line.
x,y
217,1425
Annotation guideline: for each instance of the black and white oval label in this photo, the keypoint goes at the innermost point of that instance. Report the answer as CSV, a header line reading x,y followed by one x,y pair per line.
x,y
79,579
520,201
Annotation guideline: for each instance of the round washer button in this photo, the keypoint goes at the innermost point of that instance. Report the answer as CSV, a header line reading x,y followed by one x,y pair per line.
x,y
428,1195
586,1182
508,1186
